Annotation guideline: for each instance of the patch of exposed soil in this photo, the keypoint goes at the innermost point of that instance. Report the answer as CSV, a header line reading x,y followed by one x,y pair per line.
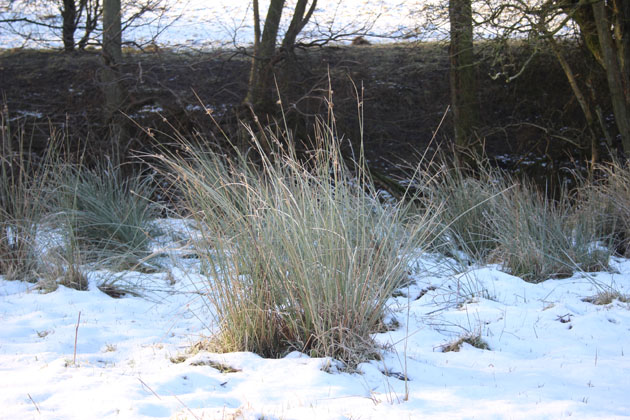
x,y
403,88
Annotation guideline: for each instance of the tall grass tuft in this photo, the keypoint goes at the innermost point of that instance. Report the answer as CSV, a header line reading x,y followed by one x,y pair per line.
x,y
22,204
300,254
540,238
469,206
607,203
107,217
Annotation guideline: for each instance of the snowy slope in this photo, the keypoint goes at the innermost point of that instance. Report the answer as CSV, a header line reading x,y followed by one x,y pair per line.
x,y
552,355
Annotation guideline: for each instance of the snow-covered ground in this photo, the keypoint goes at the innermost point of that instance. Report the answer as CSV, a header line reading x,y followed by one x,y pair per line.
x,y
552,355
203,24
197,23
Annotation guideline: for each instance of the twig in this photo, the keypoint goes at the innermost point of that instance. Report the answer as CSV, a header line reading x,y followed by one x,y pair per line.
x,y
149,388
76,335
144,384
34,403
186,407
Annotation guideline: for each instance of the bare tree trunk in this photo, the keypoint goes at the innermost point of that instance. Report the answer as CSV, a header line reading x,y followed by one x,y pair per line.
x,y
112,32
260,90
613,66
462,77
112,56
290,72
622,38
260,101
92,14
298,22
69,24
577,92
253,71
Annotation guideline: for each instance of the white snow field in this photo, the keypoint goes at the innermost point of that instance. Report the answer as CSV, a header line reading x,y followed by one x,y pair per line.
x,y
202,24
552,355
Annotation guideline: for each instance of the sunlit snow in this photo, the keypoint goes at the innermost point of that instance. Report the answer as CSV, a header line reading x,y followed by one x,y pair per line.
x,y
203,24
552,355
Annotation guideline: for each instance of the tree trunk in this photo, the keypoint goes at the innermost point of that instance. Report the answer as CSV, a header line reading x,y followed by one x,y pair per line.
x,y
260,90
577,92
112,56
298,22
290,72
69,24
112,32
92,14
622,37
614,74
462,78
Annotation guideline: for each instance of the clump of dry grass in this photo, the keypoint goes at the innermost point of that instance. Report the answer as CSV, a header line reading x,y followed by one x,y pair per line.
x,y
606,297
540,238
61,267
474,340
23,203
300,254
469,206
87,215
106,216
606,202
489,216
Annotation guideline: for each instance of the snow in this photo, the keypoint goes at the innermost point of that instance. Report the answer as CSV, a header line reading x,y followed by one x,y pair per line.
x,y
200,24
552,355
230,21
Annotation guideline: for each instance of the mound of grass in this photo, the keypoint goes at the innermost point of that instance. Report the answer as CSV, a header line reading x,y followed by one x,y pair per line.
x,y
540,238
606,297
23,178
493,217
300,254
607,203
474,340
107,217
469,204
